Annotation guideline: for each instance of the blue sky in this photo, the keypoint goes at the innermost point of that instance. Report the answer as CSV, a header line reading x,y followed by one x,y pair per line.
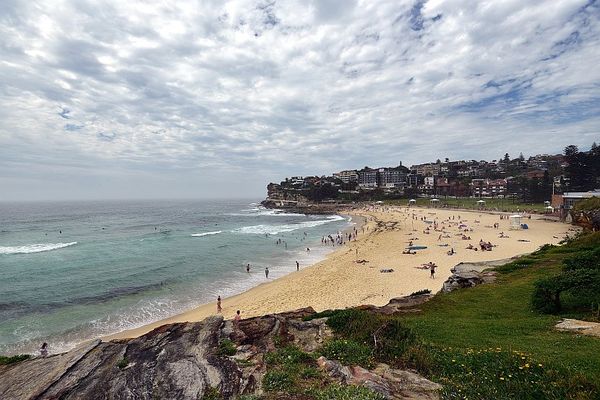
x,y
122,99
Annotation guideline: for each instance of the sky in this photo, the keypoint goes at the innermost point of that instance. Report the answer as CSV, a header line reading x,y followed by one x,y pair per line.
x,y
215,99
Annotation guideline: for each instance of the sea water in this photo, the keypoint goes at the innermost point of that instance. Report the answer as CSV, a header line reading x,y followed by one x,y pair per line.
x,y
75,271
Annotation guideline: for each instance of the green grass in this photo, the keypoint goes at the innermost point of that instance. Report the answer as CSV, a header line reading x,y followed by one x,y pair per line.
x,y
490,327
226,348
507,205
4,360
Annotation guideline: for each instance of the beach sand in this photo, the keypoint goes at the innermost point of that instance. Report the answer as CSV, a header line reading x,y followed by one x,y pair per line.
x,y
340,282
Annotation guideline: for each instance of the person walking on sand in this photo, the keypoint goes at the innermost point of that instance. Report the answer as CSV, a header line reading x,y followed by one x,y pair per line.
x,y
297,266
432,268
219,309
267,272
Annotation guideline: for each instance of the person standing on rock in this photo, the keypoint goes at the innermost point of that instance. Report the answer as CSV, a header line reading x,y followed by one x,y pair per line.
x,y
236,320
219,309
44,350
267,272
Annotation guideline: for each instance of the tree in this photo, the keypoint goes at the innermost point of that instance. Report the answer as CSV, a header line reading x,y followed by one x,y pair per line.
x,y
571,150
446,160
506,159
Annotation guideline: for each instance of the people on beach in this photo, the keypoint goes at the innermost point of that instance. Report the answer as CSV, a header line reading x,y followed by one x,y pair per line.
x,y
308,250
267,272
44,350
297,266
236,319
432,268
219,309
248,268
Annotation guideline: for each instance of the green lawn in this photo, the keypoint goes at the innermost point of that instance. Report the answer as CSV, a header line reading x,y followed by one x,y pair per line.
x,y
507,205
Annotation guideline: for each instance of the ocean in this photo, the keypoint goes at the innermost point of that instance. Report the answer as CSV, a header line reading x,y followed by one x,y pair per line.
x,y
72,271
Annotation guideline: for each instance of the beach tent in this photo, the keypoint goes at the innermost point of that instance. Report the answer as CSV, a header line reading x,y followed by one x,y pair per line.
x,y
515,221
412,201
434,201
481,203
547,203
550,209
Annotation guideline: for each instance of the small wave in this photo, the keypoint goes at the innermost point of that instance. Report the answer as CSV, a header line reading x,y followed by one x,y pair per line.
x,y
34,248
275,229
206,233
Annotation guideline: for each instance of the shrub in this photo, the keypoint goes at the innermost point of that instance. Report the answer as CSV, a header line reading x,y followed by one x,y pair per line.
x,y
226,348
4,360
419,292
339,392
211,393
277,381
123,363
348,352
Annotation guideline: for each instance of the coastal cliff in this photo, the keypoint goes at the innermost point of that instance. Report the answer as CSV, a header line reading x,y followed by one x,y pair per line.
x,y
202,360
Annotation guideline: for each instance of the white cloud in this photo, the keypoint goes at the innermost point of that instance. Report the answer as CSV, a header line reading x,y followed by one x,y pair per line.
x,y
256,90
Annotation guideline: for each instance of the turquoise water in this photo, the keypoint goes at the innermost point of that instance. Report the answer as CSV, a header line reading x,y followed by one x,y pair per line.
x,y
75,271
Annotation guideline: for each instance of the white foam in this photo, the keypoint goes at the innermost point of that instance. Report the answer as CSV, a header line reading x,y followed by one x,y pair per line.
x,y
275,229
34,248
206,233
262,211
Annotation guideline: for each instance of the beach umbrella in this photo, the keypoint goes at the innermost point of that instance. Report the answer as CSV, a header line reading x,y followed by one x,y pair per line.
x,y
481,201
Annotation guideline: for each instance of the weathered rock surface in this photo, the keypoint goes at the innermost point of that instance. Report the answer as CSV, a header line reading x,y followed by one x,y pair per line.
x,y
390,383
578,326
465,275
186,360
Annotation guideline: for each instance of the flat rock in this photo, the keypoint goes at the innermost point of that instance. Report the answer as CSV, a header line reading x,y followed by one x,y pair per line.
x,y
582,327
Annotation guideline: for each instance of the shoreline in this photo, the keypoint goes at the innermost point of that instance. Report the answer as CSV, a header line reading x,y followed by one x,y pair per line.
x,y
357,221
339,281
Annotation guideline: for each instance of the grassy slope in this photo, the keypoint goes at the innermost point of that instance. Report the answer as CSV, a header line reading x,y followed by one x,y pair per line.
x,y
499,315
471,203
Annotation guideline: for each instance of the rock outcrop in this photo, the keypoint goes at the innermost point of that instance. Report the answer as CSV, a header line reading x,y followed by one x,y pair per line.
x,y
190,361
465,275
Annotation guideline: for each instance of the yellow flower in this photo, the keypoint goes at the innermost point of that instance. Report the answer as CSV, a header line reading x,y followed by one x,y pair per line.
x,y
501,378
527,365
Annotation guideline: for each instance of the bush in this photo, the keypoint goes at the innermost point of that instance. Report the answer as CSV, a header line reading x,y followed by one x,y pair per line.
x,y
339,392
348,352
278,381
226,348
420,292
123,363
4,360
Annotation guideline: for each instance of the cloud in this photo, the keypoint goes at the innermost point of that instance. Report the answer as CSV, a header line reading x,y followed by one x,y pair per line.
x,y
265,89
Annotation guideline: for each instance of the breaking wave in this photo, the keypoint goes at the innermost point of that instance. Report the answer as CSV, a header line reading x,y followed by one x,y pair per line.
x,y
34,248
275,229
206,234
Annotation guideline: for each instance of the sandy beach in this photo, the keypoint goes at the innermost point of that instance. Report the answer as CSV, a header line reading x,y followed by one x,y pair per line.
x,y
340,281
